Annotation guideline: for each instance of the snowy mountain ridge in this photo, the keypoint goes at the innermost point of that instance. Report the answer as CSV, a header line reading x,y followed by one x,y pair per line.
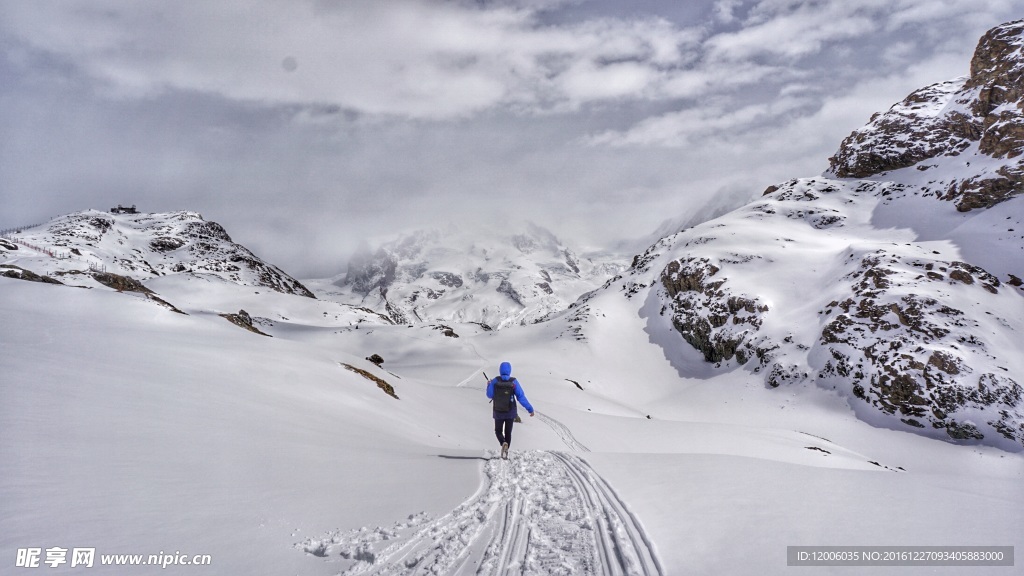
x,y
502,276
963,137
144,246
864,281
698,401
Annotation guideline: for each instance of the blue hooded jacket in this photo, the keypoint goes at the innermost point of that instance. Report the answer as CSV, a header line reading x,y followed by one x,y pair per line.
x,y
505,372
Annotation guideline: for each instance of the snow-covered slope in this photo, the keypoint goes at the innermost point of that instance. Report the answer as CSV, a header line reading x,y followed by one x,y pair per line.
x,y
133,430
513,274
807,285
142,246
909,306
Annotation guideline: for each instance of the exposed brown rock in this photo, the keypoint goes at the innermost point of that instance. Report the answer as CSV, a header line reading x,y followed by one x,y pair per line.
x,y
120,283
243,320
922,127
707,316
381,383
23,274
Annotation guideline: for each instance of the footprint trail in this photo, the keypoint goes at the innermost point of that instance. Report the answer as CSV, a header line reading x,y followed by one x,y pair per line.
x,y
537,513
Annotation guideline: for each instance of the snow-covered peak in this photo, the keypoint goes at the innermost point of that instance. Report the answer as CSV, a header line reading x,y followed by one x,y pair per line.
x,y
500,275
144,246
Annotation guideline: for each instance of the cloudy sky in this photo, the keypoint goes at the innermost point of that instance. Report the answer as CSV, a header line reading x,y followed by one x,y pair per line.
x,y
307,126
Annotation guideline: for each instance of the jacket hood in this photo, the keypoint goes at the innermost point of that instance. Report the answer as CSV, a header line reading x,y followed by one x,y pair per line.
x,y
505,370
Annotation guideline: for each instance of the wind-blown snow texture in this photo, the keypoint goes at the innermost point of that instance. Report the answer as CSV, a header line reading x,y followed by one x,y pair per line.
x,y
693,412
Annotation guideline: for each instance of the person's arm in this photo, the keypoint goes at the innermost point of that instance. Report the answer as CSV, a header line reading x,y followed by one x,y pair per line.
x,y
521,396
490,389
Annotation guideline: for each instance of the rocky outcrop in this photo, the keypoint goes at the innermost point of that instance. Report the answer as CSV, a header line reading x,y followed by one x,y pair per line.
x,y
11,271
448,279
506,288
908,354
981,115
120,283
166,244
380,382
243,320
909,327
910,132
712,319
806,286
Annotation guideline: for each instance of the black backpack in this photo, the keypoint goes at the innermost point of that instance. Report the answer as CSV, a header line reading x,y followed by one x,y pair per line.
x,y
503,393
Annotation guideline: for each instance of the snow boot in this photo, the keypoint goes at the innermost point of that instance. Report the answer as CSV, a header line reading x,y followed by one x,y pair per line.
x,y
504,450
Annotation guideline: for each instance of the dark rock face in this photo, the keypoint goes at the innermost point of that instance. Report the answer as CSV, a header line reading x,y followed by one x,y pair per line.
x,y
11,271
395,314
909,355
997,69
120,283
708,316
947,119
506,288
243,320
166,244
571,261
380,382
446,330
206,231
876,148
101,224
448,279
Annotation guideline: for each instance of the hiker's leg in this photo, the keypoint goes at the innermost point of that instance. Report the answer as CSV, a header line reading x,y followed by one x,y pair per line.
x,y
508,430
499,427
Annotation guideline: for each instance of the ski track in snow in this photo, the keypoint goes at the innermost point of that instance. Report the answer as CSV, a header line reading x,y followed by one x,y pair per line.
x,y
563,433
537,513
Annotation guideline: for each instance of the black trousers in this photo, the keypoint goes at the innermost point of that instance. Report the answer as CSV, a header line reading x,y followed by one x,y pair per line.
x,y
503,430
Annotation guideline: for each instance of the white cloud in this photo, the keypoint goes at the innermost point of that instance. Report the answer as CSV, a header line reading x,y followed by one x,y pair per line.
x,y
796,57
977,13
422,59
700,126
590,116
725,10
792,34
436,59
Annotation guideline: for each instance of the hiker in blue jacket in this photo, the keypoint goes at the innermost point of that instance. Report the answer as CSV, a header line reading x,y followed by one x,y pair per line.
x,y
504,391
